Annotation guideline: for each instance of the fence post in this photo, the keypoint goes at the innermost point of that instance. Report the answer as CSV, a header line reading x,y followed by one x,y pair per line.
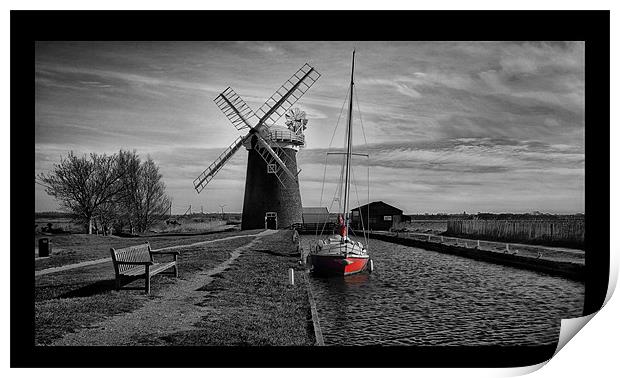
x,y
291,276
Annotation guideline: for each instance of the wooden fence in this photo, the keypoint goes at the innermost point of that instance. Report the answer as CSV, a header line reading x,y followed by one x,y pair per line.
x,y
555,232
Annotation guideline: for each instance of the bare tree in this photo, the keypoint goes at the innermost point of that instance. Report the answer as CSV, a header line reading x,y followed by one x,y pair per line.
x,y
106,215
84,184
144,193
119,189
155,202
129,197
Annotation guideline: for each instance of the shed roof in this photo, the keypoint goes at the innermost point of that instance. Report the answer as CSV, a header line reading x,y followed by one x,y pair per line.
x,y
377,204
315,210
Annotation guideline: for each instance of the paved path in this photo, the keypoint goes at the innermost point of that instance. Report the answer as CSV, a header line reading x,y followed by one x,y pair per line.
x,y
70,266
101,261
174,310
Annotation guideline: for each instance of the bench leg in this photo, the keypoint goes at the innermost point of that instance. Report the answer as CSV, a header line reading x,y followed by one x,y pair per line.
x,y
117,284
176,271
147,281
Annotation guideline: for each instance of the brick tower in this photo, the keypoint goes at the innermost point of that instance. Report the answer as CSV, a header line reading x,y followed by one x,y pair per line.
x,y
263,190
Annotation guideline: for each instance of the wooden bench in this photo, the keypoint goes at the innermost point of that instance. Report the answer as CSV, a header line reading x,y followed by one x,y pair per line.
x,y
137,261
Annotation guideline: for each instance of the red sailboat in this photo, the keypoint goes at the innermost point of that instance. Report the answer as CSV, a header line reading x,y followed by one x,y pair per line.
x,y
339,254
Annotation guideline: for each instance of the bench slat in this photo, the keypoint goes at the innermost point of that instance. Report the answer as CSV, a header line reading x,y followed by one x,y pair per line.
x,y
161,267
155,268
137,253
135,271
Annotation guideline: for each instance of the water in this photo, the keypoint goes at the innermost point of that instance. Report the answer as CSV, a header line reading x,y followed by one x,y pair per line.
x,y
418,297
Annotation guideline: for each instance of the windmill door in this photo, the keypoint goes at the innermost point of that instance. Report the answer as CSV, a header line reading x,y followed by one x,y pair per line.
x,y
271,221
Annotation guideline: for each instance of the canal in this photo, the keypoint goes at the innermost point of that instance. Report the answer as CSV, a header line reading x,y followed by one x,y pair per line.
x,y
418,297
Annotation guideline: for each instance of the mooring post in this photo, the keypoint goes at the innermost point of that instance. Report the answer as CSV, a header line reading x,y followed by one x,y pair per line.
x,y
478,244
429,237
291,276
442,239
507,248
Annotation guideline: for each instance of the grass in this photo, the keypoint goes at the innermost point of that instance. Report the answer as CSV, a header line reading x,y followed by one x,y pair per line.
x,y
251,303
191,225
74,248
55,318
69,300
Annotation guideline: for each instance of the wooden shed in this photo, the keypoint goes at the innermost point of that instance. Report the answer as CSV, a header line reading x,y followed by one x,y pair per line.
x,y
379,215
317,218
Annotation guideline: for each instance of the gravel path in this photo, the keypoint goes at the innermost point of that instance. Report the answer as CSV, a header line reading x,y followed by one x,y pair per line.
x,y
173,311
267,232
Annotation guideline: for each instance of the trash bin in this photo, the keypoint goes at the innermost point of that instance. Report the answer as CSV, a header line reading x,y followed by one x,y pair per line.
x,y
45,247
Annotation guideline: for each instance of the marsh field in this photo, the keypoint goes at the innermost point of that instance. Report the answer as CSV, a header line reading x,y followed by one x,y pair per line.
x,y
191,223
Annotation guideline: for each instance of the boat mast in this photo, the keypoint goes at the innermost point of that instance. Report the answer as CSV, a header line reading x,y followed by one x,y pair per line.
x,y
349,140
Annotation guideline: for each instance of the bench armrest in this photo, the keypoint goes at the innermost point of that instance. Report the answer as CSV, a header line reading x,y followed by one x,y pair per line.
x,y
135,262
165,252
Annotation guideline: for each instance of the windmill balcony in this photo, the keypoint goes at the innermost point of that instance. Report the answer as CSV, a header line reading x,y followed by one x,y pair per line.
x,y
285,135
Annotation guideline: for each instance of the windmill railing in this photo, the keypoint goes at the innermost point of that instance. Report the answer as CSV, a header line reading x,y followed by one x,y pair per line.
x,y
286,136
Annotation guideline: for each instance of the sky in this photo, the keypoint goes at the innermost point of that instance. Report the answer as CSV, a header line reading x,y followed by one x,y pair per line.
x,y
448,126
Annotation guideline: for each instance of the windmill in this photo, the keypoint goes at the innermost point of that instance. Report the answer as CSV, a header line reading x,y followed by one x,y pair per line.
x,y
271,180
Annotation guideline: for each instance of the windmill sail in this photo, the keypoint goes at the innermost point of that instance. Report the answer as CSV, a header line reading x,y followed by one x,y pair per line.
x,y
278,104
259,123
207,175
287,95
271,157
236,110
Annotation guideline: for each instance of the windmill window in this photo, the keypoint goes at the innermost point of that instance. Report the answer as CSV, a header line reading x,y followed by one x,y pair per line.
x,y
271,168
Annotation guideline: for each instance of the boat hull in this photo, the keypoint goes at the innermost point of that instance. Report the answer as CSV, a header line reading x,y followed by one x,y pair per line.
x,y
338,265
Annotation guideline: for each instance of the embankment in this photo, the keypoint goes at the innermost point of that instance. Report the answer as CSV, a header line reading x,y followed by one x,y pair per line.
x,y
572,270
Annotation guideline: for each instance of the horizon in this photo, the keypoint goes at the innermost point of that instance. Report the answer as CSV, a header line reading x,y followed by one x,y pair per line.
x,y
452,126
424,214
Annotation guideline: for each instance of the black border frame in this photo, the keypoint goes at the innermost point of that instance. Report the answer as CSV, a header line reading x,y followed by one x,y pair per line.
x,y
29,26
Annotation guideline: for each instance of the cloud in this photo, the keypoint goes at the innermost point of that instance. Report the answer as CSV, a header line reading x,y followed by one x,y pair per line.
x,y
450,125
475,155
400,86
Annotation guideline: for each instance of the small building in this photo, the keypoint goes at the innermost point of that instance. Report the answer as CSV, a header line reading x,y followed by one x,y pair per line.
x,y
317,218
379,215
